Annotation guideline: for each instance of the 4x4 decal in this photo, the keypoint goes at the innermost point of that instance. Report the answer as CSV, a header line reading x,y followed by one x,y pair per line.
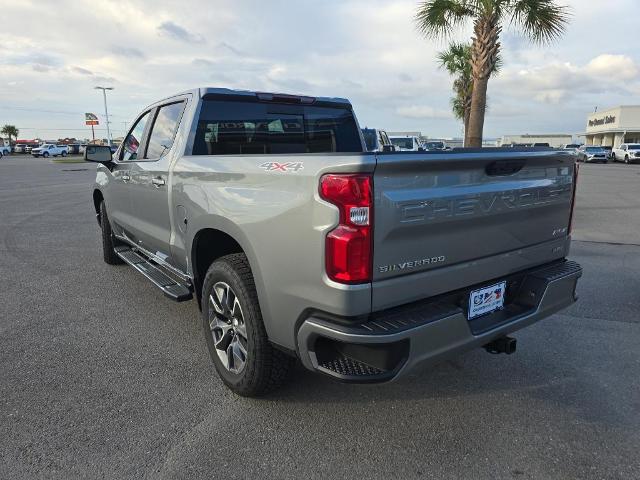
x,y
282,167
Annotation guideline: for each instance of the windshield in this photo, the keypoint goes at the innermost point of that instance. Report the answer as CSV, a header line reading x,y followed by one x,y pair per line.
x,y
369,138
434,145
594,149
635,146
406,143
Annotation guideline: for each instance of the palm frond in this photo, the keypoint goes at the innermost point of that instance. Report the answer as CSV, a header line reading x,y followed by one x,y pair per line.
x,y
438,18
458,107
456,59
540,20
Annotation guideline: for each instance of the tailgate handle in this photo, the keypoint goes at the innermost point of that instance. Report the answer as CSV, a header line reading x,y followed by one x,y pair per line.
x,y
504,167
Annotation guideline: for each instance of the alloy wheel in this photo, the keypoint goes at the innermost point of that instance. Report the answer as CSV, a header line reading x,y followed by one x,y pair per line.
x,y
228,329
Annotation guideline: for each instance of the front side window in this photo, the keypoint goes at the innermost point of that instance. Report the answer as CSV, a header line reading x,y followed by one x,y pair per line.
x,y
131,144
164,130
244,128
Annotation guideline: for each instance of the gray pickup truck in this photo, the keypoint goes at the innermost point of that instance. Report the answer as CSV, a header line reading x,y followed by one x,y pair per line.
x,y
297,243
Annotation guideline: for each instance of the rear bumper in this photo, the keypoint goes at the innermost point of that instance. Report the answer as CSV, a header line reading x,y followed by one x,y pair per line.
x,y
391,343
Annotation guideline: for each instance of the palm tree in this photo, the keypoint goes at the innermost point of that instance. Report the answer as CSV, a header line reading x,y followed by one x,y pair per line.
x,y
540,20
457,61
10,131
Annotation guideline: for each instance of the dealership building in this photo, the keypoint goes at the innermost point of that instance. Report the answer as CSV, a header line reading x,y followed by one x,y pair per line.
x,y
614,126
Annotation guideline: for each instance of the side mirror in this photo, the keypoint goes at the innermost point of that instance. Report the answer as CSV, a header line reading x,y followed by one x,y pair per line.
x,y
388,148
97,153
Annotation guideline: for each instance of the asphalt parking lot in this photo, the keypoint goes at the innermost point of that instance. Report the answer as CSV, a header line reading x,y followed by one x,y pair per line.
x,y
103,377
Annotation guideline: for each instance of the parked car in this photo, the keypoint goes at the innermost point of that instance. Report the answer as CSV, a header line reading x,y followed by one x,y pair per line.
x,y
434,146
592,153
296,242
541,144
608,150
377,140
406,143
627,153
49,150
571,147
5,148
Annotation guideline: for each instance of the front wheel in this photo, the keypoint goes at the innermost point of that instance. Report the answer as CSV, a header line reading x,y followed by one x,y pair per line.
x,y
109,242
626,159
236,337
45,154
613,157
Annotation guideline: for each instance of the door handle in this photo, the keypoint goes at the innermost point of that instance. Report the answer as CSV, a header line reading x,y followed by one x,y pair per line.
x,y
158,181
125,178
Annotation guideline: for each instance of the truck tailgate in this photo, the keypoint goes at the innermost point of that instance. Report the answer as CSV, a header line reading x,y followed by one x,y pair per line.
x,y
444,221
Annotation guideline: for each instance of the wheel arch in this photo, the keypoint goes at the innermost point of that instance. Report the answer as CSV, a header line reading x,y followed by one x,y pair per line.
x,y
210,244
98,198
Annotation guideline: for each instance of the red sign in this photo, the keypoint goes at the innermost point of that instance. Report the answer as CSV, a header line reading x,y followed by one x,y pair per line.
x,y
90,119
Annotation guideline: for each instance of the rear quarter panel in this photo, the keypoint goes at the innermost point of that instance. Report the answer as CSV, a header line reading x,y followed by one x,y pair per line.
x,y
280,221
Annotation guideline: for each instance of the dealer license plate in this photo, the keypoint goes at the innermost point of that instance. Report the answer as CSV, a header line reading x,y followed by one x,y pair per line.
x,y
486,300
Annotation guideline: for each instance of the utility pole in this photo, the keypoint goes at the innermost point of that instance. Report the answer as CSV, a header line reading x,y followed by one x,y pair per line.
x,y
106,112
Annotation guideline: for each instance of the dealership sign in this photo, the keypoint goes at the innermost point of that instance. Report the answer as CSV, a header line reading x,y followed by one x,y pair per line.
x,y
606,120
90,119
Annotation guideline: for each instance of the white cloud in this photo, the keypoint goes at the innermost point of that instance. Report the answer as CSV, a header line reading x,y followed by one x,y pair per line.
x,y
616,66
366,50
557,82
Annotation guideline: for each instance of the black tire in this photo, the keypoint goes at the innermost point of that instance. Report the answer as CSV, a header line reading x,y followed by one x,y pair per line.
x,y
64,154
109,242
265,367
45,154
613,157
626,159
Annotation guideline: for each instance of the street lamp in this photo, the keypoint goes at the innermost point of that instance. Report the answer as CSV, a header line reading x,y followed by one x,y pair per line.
x,y
106,112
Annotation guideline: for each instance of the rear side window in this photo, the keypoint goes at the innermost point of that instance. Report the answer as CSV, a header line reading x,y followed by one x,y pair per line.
x,y
164,130
244,128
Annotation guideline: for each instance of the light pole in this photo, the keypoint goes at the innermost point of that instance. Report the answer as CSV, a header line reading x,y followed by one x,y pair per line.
x,y
106,112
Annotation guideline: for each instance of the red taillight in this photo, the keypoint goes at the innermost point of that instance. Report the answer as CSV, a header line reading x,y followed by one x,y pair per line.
x,y
348,251
573,194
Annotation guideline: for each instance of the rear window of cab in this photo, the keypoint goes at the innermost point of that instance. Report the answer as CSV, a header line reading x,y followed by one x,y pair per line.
x,y
245,128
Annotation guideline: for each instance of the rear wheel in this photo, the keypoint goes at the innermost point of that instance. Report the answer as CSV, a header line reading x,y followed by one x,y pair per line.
x,y
64,154
236,338
109,242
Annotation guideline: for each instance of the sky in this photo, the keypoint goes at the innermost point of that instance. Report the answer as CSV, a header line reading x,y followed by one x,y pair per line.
x,y
53,53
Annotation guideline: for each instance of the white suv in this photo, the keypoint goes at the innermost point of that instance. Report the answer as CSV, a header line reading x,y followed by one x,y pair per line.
x,y
406,143
627,153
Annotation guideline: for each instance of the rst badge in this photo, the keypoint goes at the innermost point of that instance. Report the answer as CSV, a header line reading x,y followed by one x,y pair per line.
x,y
282,167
